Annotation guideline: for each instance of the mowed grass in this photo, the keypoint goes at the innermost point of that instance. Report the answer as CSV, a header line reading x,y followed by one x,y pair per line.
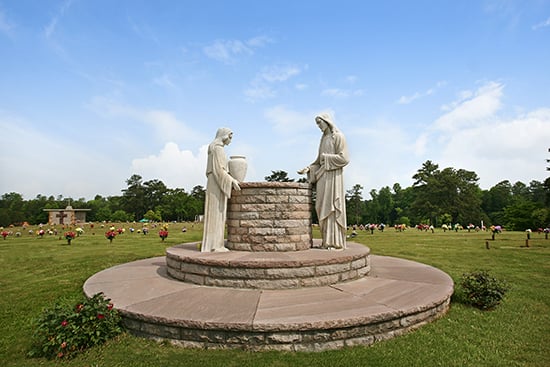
x,y
34,272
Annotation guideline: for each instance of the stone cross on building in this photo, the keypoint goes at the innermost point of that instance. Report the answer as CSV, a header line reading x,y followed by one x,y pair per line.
x,y
66,216
61,215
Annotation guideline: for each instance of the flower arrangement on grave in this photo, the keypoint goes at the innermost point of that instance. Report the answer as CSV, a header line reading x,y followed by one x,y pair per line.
x,y
163,233
495,230
120,230
5,234
110,235
69,236
64,330
79,231
41,233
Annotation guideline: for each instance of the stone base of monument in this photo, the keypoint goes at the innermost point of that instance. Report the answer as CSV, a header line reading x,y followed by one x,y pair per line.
x,y
217,303
267,270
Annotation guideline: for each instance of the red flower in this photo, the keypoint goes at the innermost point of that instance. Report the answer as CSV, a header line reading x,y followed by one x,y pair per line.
x,y
110,306
79,307
70,235
60,355
100,316
64,323
64,345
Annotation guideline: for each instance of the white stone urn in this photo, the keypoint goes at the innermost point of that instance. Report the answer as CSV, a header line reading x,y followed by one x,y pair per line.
x,y
237,167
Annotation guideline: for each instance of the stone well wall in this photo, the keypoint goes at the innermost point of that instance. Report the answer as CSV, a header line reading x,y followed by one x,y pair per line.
x,y
270,216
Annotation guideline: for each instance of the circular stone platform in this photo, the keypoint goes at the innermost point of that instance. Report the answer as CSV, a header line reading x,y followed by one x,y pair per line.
x,y
397,296
267,270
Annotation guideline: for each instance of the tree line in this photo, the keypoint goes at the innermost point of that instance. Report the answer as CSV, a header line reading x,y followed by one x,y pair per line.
x,y
151,200
437,196
450,196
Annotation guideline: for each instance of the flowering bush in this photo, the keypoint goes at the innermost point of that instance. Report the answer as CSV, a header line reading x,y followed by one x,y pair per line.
x,y
63,331
110,235
163,234
69,236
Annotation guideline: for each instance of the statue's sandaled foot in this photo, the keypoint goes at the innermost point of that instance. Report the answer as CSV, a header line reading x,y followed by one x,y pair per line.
x,y
221,249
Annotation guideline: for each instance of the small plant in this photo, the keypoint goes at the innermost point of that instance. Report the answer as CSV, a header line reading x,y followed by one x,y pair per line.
x,y
63,331
482,290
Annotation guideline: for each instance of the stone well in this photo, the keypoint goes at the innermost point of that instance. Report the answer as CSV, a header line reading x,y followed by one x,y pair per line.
x,y
270,216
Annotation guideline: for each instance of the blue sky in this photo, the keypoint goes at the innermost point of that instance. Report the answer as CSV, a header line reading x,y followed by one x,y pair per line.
x,y
92,92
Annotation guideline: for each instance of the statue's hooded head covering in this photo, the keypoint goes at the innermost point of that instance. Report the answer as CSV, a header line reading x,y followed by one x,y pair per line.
x,y
326,117
222,133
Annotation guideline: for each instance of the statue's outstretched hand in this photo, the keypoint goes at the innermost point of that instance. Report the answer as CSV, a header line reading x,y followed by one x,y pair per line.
x,y
235,185
303,171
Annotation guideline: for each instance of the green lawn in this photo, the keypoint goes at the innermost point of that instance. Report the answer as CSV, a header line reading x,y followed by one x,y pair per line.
x,y
34,272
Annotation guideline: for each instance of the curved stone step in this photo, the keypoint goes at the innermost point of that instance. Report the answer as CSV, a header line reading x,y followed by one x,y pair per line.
x,y
398,296
267,270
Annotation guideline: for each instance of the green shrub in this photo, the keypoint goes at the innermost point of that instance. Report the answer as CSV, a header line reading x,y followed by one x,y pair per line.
x,y
482,290
62,331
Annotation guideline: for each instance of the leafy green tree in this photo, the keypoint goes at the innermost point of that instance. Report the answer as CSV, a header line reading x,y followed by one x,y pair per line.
x,y
103,214
426,195
154,191
12,209
495,200
152,216
518,216
133,197
278,176
385,205
354,205
121,216
541,218
448,191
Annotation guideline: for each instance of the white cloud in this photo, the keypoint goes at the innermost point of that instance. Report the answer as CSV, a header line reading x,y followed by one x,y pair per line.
x,y
278,73
477,108
288,121
227,51
42,162
418,95
164,81
174,167
261,87
510,149
342,93
165,124
473,136
258,92
50,28
542,24
6,26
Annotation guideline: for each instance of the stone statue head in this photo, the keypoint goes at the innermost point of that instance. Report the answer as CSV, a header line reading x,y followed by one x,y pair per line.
x,y
327,118
224,135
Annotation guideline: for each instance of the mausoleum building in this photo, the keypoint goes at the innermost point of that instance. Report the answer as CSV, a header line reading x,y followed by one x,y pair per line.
x,y
66,216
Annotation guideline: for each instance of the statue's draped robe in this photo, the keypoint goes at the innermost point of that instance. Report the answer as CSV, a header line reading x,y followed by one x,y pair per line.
x,y
218,190
330,200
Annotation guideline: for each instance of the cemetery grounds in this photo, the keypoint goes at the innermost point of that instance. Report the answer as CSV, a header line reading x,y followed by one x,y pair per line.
x,y
36,271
